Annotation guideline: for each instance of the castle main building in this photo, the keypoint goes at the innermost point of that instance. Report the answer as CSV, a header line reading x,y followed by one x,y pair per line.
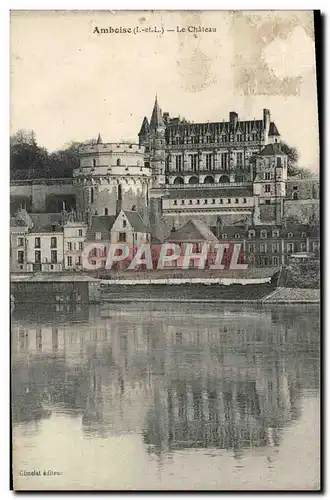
x,y
233,169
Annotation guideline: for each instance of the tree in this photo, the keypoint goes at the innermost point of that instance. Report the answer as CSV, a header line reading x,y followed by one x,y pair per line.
x,y
293,157
25,154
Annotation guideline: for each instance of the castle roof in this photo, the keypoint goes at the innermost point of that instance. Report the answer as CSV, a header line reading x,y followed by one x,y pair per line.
x,y
99,139
193,230
271,150
100,224
273,129
156,117
245,127
136,221
144,127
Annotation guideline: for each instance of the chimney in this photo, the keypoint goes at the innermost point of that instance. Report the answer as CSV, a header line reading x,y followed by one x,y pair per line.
x,y
233,117
266,123
166,117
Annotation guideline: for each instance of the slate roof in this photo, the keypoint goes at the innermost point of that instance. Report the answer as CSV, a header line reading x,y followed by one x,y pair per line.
x,y
273,130
144,127
244,127
295,229
217,192
156,117
42,220
271,149
193,230
101,224
136,221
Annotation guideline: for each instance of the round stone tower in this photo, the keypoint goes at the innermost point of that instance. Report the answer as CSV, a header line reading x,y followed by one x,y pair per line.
x,y
112,176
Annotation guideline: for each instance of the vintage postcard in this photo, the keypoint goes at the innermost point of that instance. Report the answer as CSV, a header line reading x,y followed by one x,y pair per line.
x,y
164,250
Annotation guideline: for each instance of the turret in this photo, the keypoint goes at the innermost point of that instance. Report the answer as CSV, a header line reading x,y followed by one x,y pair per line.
x,y
144,132
157,146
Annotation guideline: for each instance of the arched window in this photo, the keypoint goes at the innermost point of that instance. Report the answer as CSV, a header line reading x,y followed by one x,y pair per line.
x,y
252,234
193,180
105,211
295,195
118,162
92,194
290,235
178,180
263,233
304,235
224,179
224,236
209,179
237,236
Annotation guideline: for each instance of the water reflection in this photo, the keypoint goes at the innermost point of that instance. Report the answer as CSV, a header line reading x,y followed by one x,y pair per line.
x,y
180,377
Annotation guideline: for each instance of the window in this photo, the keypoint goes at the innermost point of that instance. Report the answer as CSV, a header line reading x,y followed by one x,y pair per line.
x,y
197,201
304,235
94,163
175,202
178,163
53,257
190,202
229,200
208,139
37,256
70,261
278,162
251,234
224,236
182,202
80,245
221,201
267,176
252,247
98,236
290,235
124,223
237,236
267,188
94,252
193,162
239,159
275,233
275,247
53,242
303,247
205,202
244,200
276,261
267,202
263,247
209,161
70,246
106,211
290,247
316,246
213,201
37,243
122,237
92,195
20,242
263,233
236,201
224,161
118,162
78,261
20,257
80,233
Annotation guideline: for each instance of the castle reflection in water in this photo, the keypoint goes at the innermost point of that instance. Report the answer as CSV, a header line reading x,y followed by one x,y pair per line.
x,y
178,375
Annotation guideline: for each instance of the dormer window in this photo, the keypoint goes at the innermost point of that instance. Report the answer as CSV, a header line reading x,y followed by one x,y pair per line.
x,y
263,233
290,235
278,161
224,236
252,234
275,233
237,236
304,235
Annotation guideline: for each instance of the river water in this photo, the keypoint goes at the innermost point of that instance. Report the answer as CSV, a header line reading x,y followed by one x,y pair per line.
x,y
170,396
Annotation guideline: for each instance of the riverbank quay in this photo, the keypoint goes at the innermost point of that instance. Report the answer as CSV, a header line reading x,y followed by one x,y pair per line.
x,y
53,288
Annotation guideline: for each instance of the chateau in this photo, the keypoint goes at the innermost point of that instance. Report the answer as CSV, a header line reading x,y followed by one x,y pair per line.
x,y
231,172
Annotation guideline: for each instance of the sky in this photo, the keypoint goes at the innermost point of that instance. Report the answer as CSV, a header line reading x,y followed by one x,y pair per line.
x,y
68,83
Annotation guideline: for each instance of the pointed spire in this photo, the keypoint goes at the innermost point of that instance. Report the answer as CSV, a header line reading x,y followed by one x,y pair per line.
x,y
99,139
156,117
144,127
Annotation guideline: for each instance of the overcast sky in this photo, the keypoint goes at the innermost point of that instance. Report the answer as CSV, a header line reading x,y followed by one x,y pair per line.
x,y
68,83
